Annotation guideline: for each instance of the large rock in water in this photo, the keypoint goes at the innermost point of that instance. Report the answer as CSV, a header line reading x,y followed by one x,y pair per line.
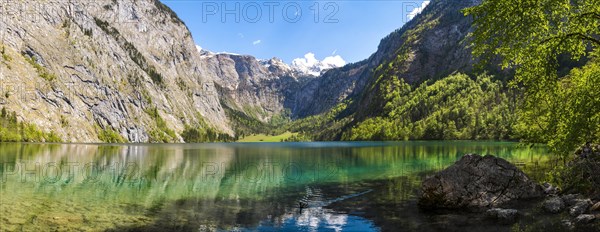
x,y
476,181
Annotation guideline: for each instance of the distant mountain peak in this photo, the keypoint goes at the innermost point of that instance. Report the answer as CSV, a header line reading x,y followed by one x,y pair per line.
x,y
309,65
276,65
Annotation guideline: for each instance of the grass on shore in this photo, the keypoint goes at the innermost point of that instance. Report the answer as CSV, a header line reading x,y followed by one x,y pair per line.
x,y
267,138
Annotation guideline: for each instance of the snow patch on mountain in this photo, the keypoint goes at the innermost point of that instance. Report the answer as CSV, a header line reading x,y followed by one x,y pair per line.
x,y
310,65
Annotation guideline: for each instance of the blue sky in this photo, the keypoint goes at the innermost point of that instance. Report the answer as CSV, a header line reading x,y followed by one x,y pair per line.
x,y
290,29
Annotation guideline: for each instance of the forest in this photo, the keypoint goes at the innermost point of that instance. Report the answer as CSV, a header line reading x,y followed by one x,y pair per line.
x,y
551,95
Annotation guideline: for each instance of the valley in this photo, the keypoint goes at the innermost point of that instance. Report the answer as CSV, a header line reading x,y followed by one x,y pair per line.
x,y
138,94
474,115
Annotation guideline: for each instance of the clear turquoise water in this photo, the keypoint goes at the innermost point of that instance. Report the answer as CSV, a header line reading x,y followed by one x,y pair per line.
x,y
348,186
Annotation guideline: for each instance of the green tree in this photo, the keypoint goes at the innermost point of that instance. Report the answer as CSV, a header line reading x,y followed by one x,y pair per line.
x,y
530,35
533,37
454,107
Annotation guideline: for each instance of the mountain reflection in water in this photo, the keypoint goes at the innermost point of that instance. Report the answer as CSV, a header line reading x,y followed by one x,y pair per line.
x,y
358,186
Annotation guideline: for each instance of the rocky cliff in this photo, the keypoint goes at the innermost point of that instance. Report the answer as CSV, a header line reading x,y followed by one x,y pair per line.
x,y
80,68
430,46
258,88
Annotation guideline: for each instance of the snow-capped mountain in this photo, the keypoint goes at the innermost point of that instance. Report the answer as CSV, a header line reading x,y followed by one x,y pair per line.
x,y
309,65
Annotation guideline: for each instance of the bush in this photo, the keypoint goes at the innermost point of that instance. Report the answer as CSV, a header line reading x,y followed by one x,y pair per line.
x,y
11,130
202,132
162,133
42,72
110,136
580,174
5,56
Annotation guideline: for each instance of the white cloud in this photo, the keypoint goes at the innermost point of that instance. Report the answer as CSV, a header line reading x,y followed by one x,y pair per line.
x,y
256,42
241,35
308,60
311,65
333,61
417,10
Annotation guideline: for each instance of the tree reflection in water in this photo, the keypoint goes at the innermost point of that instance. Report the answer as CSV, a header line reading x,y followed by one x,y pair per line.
x,y
175,187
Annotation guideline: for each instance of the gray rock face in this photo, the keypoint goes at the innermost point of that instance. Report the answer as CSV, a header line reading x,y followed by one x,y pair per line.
x,y
114,60
553,205
580,207
260,89
333,87
108,63
440,49
476,181
503,215
433,45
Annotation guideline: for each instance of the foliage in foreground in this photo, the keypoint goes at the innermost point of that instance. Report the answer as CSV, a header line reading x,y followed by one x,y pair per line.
x,y
569,113
560,110
579,175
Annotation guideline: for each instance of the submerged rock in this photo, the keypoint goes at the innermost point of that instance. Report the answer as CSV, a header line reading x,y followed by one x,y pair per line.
x,y
571,199
568,224
553,205
476,181
595,207
503,215
584,219
580,207
550,189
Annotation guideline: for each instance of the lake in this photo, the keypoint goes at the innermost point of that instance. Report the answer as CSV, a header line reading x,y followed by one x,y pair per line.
x,y
319,186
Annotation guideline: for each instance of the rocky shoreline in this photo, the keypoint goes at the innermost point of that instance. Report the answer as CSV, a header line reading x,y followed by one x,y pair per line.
x,y
492,186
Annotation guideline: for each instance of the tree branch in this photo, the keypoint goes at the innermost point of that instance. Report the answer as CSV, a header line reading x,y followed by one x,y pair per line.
x,y
593,14
574,34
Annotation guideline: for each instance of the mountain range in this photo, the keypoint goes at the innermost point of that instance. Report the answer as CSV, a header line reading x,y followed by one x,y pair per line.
x,y
89,71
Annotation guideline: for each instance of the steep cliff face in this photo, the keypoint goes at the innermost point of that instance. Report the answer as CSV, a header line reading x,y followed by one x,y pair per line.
x,y
430,46
331,88
79,68
259,88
